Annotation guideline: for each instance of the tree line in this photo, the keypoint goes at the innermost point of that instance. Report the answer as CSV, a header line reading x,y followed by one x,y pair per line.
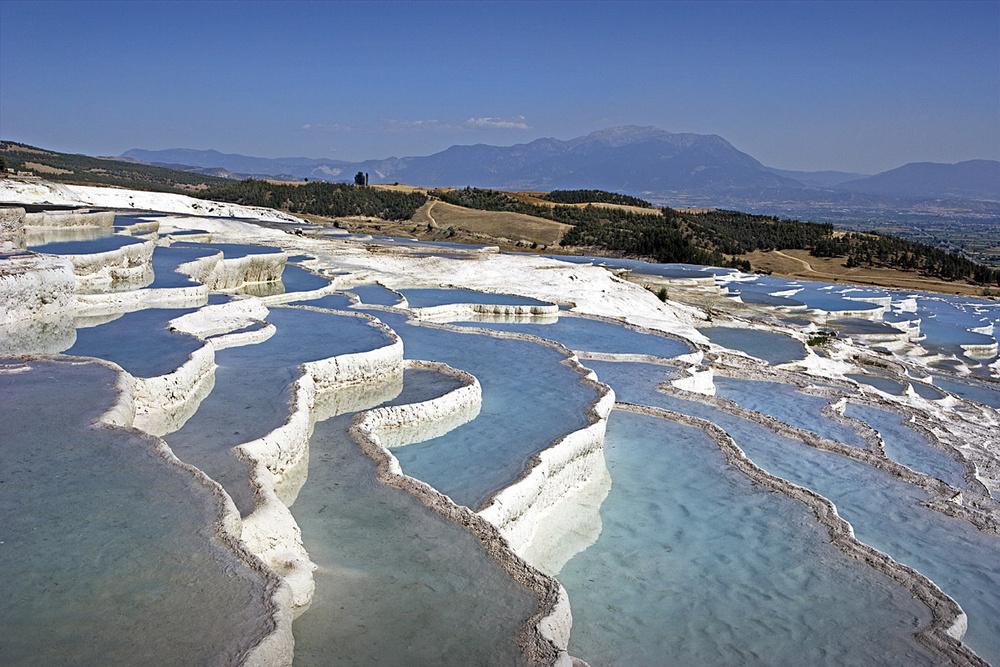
x,y
593,197
332,200
720,237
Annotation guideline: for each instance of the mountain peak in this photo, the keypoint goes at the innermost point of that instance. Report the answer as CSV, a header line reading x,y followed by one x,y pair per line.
x,y
624,135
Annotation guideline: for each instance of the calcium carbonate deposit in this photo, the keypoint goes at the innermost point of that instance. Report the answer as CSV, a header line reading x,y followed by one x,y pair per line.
x,y
228,443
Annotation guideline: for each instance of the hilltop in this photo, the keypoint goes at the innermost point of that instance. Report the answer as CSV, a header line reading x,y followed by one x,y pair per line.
x,y
577,221
954,206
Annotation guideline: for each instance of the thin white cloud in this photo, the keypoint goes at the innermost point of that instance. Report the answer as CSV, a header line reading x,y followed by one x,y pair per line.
x,y
493,123
403,126
324,127
396,125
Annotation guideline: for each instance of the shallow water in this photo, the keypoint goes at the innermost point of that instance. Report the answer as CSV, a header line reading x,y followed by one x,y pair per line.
x,y
697,565
906,446
105,550
425,298
331,301
926,391
763,299
518,378
89,247
946,324
375,295
774,348
886,513
397,583
786,403
140,342
970,390
253,387
581,334
167,259
297,279
879,382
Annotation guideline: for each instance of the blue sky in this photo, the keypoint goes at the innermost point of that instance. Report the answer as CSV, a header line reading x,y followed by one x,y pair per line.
x,y
853,86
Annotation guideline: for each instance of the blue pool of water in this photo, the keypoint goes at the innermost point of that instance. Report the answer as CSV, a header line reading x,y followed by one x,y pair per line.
x,y
107,557
763,299
926,391
886,513
946,322
332,301
881,383
585,335
297,279
425,298
375,295
253,389
397,583
518,378
128,219
786,403
637,266
139,342
90,247
774,348
970,390
857,326
165,263
697,565
907,446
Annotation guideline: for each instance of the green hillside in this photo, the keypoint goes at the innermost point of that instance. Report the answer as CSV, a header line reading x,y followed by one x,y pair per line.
x,y
82,169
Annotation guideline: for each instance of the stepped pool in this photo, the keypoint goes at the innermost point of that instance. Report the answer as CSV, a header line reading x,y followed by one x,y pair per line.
x,y
166,259
774,348
906,446
397,583
107,548
297,279
140,342
791,406
518,377
885,512
253,390
88,246
582,334
677,557
375,295
698,565
425,298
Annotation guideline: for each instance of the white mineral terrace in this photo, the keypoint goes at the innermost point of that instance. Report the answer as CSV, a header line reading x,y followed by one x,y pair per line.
x,y
535,526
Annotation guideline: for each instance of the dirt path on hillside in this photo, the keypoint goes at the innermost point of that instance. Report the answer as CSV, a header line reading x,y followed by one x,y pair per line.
x,y
806,266
430,216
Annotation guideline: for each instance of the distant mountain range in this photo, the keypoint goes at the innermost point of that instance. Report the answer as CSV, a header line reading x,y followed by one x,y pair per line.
x,y
685,169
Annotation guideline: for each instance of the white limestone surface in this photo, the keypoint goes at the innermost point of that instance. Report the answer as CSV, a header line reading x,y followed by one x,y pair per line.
x,y
554,476
34,287
12,225
276,458
545,638
164,402
130,265
588,289
80,218
221,273
469,311
222,318
102,303
45,192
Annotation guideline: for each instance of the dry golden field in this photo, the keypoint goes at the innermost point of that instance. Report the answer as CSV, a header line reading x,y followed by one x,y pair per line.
x,y
800,264
496,224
